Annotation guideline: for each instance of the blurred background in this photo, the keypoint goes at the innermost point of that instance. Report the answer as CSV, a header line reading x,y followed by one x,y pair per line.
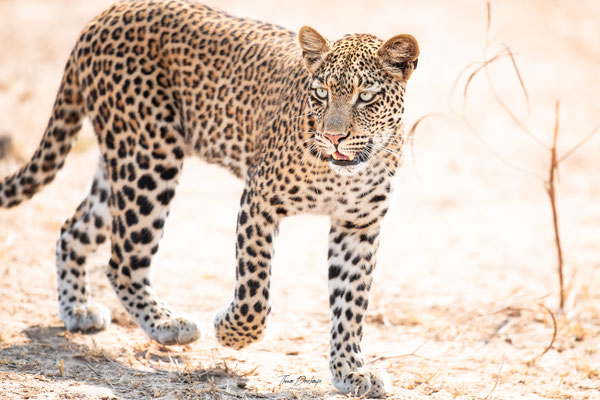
x,y
464,231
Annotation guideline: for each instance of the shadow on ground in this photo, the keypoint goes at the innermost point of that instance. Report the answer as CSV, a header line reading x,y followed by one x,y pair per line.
x,y
68,368
53,356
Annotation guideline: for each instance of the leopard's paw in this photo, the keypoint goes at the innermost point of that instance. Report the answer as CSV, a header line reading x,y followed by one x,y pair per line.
x,y
364,382
88,317
239,334
174,330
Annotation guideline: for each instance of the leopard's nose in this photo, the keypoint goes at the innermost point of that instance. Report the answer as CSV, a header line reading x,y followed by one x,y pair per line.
x,y
335,139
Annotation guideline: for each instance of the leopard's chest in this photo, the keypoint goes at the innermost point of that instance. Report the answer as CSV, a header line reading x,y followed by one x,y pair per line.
x,y
360,198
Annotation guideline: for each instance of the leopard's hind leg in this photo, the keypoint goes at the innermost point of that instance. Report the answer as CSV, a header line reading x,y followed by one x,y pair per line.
x,y
80,236
143,181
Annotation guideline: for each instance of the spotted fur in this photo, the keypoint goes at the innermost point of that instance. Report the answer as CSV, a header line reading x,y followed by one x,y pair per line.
x,y
315,128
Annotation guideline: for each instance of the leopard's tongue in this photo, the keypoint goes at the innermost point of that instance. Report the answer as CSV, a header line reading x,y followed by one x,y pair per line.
x,y
339,156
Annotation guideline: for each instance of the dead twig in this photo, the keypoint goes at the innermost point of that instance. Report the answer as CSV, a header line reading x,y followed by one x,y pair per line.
x,y
518,73
503,105
411,132
512,307
458,77
554,333
489,17
411,137
489,147
550,188
409,355
474,73
578,145
497,155
92,369
554,325
445,327
483,66
251,372
497,379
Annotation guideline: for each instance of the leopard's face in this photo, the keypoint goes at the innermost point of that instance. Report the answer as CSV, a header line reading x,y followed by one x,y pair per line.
x,y
357,95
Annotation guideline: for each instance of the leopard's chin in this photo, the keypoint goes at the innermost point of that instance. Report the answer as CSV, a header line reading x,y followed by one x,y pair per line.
x,y
346,167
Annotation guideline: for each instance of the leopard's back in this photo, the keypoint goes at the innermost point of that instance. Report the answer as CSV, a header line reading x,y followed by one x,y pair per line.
x,y
223,78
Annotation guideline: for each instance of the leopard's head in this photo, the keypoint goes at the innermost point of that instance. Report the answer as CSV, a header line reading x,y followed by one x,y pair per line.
x,y
357,94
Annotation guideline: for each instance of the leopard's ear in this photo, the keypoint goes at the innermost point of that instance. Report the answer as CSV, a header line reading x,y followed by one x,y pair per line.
x,y
314,48
399,55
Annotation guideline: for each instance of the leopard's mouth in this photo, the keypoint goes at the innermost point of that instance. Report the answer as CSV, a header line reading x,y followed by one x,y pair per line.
x,y
343,160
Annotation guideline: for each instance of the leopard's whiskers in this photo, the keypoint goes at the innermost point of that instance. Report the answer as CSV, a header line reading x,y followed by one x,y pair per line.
x,y
370,154
317,164
306,152
395,153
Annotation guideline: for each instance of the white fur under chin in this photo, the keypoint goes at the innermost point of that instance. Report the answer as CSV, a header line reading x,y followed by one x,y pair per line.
x,y
347,170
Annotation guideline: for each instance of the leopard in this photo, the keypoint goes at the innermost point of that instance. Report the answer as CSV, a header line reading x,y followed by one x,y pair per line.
x,y
311,126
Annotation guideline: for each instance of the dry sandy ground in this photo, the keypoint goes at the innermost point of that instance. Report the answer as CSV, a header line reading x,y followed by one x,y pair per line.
x,y
467,255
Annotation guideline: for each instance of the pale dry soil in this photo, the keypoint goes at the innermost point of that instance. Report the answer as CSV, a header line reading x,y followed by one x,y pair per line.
x,y
466,285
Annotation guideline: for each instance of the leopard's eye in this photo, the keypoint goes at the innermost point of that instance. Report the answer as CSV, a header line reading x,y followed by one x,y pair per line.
x,y
366,97
321,93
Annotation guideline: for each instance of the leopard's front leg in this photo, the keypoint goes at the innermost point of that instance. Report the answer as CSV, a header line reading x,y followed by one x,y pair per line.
x,y
352,254
243,321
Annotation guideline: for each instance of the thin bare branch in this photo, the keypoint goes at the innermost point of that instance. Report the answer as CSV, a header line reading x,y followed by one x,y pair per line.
x,y
87,364
462,316
414,126
431,336
474,73
489,17
514,63
497,379
503,105
555,332
552,195
578,145
455,320
381,358
497,155
455,83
